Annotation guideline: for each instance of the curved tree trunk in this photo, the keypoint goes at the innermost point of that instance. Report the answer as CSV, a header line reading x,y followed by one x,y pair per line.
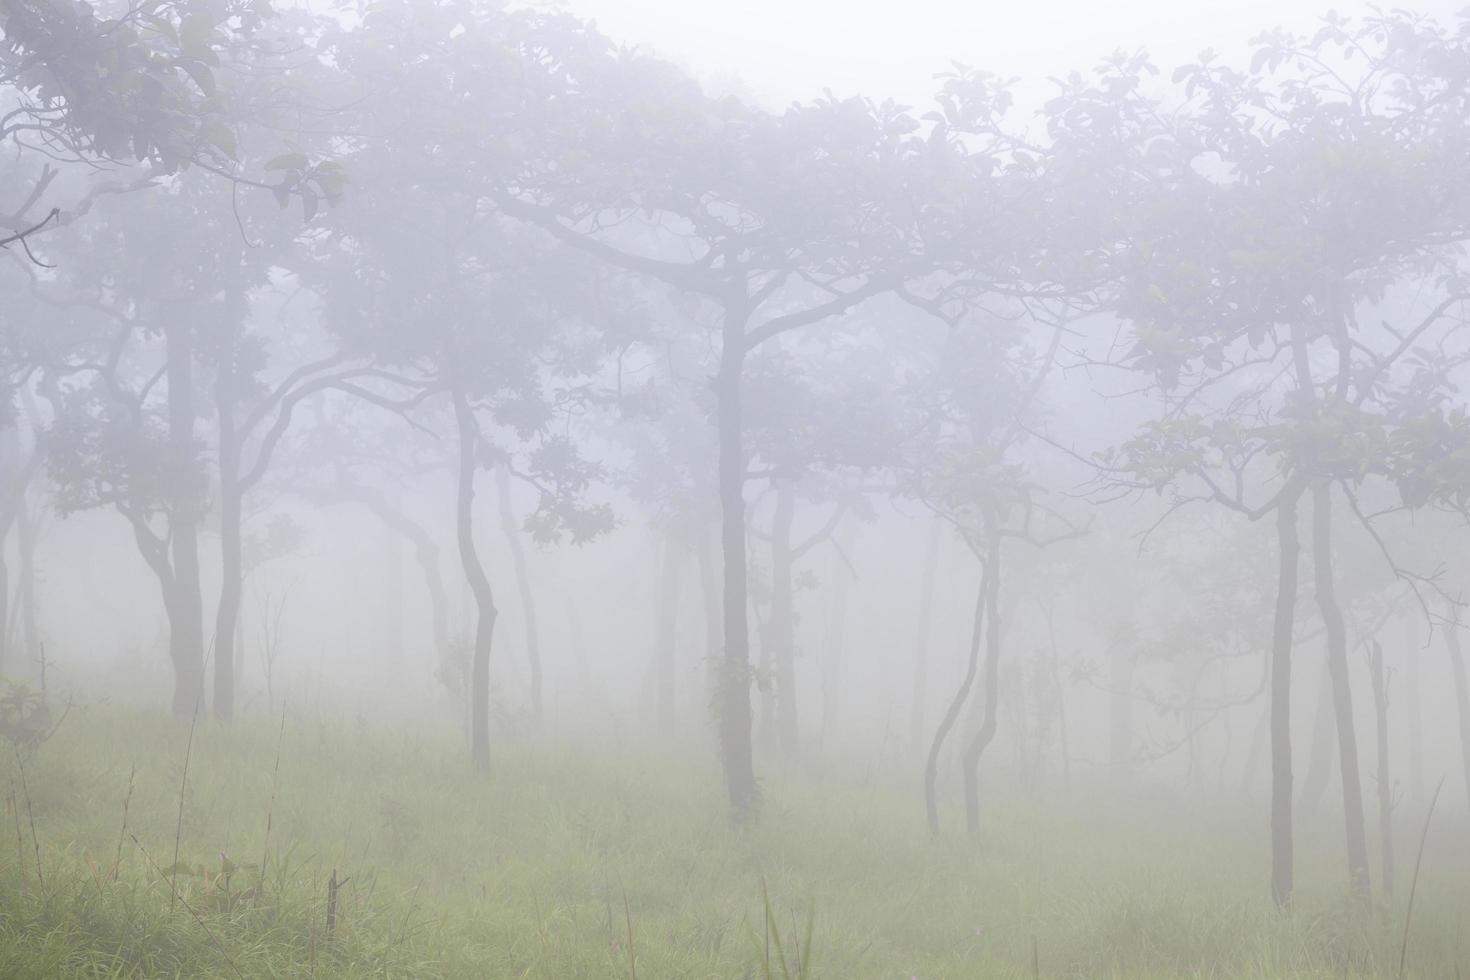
x,y
733,702
1342,697
782,627
186,605
1288,547
485,613
426,554
986,732
512,533
921,644
956,705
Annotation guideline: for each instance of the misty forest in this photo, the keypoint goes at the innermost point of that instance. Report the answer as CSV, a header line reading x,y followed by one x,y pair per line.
x,y
482,498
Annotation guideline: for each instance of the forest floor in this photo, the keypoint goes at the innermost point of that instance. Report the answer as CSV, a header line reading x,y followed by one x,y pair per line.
x,y
616,861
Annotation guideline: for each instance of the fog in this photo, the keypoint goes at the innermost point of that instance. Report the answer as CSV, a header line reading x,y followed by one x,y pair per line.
x,y
760,489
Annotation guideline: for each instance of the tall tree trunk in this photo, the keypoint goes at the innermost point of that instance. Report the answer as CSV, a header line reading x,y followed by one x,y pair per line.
x,y
1323,750
709,591
512,532
666,627
921,644
232,576
733,708
1342,697
186,608
426,554
479,584
1412,717
1462,689
1385,774
1288,546
986,732
956,705
782,628
836,635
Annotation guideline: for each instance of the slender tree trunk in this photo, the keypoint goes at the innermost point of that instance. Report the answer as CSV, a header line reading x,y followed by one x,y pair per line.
x,y
1342,697
666,629
782,629
709,590
956,705
836,636
512,533
1462,689
426,554
1260,734
1323,750
186,610
1413,719
227,615
921,645
479,584
1288,546
986,733
734,698
1385,774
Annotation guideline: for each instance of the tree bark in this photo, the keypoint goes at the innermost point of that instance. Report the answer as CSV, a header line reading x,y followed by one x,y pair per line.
x,y
986,732
956,705
512,533
921,644
782,627
1342,698
733,704
1288,545
665,628
186,605
479,584
1462,689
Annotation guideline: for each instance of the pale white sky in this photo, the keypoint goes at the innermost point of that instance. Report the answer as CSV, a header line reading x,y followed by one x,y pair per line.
x,y
791,49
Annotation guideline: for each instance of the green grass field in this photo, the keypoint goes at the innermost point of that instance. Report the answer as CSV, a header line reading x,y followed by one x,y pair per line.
x,y
612,860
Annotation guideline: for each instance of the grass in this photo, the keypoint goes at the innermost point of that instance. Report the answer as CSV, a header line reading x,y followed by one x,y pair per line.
x,y
605,861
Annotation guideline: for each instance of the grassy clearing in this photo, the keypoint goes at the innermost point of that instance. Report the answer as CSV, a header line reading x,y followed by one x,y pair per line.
x,y
603,862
